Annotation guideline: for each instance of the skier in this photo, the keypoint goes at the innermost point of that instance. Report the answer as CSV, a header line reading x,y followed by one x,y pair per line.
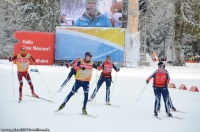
x,y
83,76
161,80
72,72
22,62
105,77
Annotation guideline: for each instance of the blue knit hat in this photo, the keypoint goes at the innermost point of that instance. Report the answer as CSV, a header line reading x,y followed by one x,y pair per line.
x,y
88,54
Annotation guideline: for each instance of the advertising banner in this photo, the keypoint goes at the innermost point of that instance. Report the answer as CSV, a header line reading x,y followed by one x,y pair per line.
x,y
75,41
39,44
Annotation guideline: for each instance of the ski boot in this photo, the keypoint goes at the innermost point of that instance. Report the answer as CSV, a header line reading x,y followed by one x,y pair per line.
x,y
155,114
20,97
90,100
61,106
108,103
173,108
34,95
169,114
84,111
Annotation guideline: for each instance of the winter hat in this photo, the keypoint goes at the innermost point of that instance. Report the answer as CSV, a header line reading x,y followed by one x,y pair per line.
x,y
108,56
86,1
88,54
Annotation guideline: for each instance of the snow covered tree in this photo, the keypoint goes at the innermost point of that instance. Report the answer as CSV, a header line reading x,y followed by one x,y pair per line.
x,y
171,23
31,15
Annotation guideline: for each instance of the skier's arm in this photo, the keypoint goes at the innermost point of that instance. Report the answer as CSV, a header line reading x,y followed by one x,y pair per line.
x,y
78,65
97,66
116,69
71,63
151,76
31,59
167,78
12,58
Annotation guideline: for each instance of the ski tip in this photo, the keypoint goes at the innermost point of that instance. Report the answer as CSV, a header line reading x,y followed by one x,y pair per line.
x,y
88,115
56,111
157,117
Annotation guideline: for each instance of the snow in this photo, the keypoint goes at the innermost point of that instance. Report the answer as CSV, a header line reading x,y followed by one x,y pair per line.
x,y
130,116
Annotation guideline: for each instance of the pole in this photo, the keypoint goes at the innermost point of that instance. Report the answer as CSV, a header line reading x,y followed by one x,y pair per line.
x,y
145,36
41,77
141,93
12,78
164,42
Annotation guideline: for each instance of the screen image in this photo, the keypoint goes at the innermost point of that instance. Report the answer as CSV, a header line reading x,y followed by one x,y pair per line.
x,y
91,13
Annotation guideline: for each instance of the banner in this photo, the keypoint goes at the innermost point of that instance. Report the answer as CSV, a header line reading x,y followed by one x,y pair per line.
x,y
75,41
98,13
39,44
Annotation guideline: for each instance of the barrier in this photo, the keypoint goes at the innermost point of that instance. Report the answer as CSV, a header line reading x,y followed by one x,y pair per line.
x,y
171,85
194,89
182,87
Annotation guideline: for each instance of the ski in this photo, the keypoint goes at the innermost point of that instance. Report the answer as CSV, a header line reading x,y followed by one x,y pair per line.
x,y
111,105
157,117
88,115
175,117
178,111
38,98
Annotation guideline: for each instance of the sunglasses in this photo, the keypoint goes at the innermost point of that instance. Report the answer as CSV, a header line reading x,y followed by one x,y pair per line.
x,y
23,49
162,66
88,56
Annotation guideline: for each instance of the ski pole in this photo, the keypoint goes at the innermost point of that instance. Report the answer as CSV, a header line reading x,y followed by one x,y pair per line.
x,y
62,87
96,86
66,83
97,77
54,94
41,76
12,77
113,84
141,92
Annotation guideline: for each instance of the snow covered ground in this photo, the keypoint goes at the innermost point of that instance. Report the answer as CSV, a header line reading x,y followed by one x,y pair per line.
x,y
129,117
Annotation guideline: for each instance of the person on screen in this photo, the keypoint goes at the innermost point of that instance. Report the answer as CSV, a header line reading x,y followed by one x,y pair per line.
x,y
92,17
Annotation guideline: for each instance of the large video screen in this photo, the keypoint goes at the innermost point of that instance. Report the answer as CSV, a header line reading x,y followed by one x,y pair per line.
x,y
91,13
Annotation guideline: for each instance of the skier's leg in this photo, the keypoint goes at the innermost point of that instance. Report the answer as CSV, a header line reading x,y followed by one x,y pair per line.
x,y
99,83
75,87
71,73
157,93
20,84
166,98
86,91
28,78
108,84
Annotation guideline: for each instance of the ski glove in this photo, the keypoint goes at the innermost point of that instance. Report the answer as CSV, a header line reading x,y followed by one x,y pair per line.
x,y
118,70
67,65
147,81
98,64
10,59
83,68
